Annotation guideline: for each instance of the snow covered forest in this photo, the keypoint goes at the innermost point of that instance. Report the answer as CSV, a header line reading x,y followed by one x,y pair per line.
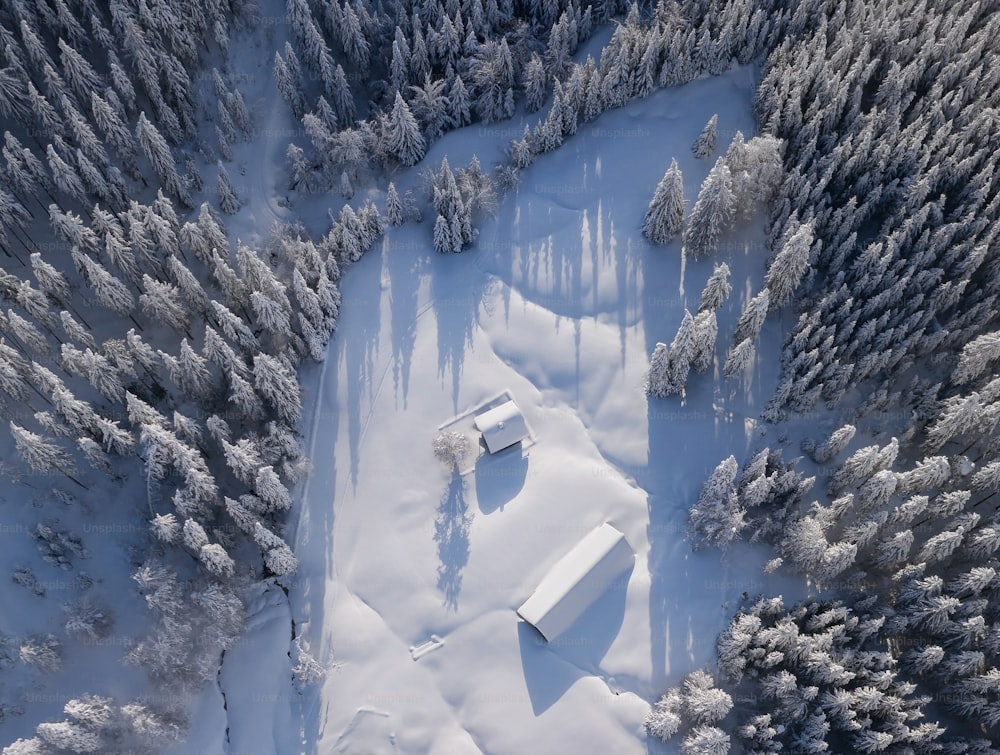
x,y
184,188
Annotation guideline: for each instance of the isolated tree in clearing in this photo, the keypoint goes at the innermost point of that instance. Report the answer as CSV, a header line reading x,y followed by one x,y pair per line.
x,y
704,145
451,448
665,215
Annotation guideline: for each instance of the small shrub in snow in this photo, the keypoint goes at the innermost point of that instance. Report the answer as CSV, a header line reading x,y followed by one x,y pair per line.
x,y
57,546
451,448
43,652
25,577
87,620
307,669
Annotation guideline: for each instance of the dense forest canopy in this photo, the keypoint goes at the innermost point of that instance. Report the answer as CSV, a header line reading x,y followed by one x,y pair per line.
x,y
139,338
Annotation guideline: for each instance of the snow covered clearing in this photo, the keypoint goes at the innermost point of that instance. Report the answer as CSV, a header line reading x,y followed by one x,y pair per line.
x,y
559,302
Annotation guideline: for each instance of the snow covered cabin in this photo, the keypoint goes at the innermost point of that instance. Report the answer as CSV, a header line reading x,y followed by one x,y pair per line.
x,y
577,580
502,426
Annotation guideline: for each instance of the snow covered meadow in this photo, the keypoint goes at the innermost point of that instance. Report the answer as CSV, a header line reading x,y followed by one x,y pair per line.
x,y
729,267
408,573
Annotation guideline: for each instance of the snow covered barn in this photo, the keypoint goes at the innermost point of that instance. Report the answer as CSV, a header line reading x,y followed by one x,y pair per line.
x,y
576,580
502,426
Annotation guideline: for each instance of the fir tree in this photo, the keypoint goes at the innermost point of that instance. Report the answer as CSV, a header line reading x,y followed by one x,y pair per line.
x,y
404,140
711,214
704,145
665,215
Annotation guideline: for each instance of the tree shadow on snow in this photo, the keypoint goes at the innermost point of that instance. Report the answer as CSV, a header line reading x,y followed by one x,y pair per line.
x,y
457,287
551,668
358,353
451,532
500,477
404,270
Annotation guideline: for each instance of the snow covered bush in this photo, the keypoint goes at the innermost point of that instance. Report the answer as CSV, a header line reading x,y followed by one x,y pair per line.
x,y
43,652
450,448
307,669
704,145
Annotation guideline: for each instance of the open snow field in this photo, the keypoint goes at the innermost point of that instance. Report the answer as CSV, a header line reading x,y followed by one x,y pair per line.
x,y
409,574
560,302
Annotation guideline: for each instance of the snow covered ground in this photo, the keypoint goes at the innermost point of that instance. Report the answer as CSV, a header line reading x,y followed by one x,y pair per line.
x,y
409,574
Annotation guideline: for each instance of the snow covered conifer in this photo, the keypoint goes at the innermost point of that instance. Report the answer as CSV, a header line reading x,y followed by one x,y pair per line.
x,y
229,203
836,443
194,535
158,151
706,740
717,517
281,560
717,288
789,266
270,489
243,395
50,280
404,140
270,314
450,448
43,652
216,560
277,384
657,383
459,103
712,212
41,455
704,145
393,206
739,358
665,215
680,353
162,302
706,330
752,317
166,527
535,80
664,720
976,358
704,703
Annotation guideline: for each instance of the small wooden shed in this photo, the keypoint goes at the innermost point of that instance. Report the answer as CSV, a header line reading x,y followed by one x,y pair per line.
x,y
502,426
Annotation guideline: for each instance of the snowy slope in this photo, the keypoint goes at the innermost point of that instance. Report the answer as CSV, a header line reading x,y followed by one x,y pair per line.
x,y
409,575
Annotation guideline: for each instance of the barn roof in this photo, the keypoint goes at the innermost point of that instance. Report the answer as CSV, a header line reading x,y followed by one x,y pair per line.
x,y
577,580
